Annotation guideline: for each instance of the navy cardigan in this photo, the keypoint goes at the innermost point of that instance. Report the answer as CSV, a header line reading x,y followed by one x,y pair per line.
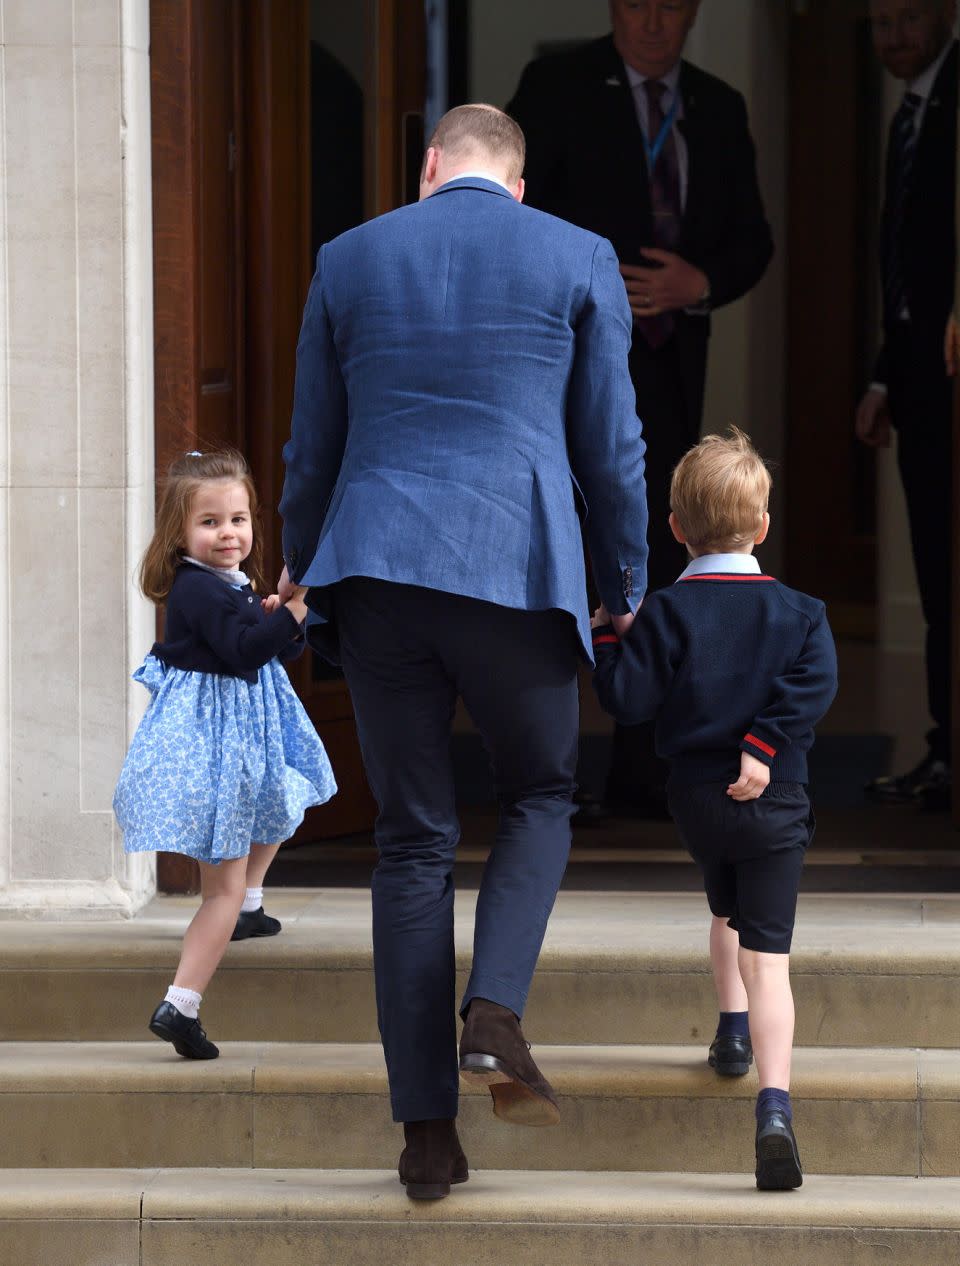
x,y
210,627
726,664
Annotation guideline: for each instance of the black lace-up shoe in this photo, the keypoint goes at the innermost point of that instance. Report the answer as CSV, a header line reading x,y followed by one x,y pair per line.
x,y
187,1036
925,780
255,923
778,1160
731,1056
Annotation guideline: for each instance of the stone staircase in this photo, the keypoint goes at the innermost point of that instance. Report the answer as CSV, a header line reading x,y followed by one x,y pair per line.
x,y
114,1152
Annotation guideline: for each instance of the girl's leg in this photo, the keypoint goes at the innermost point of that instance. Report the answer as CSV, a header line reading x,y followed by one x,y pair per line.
x,y
258,863
222,888
767,981
724,955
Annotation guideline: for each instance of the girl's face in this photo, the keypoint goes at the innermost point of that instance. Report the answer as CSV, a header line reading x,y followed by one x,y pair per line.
x,y
219,530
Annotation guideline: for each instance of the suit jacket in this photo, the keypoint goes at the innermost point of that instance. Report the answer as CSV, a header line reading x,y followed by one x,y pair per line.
x,y
929,226
586,162
461,387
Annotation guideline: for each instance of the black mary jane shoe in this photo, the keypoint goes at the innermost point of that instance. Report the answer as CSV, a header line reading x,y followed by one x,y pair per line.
x,y
255,923
731,1056
187,1035
432,1160
778,1160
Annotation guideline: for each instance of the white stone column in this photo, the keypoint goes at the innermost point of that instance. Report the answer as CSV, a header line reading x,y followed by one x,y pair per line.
x,y
76,445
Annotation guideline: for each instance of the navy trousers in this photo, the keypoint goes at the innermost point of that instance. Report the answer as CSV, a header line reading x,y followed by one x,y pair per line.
x,y
407,654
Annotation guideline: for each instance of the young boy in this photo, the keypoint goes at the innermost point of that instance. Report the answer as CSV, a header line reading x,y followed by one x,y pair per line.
x,y
737,669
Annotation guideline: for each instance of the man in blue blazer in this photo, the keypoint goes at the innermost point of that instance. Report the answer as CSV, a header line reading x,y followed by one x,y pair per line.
x,y
462,394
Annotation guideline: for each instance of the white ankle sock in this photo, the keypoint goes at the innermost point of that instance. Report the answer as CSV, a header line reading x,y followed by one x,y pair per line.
x,y
252,901
187,1001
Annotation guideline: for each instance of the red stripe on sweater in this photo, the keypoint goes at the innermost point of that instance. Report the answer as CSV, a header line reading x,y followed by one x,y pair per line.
x,y
608,639
764,747
726,575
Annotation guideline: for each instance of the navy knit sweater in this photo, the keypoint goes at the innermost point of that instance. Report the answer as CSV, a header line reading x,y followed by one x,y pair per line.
x,y
726,664
210,627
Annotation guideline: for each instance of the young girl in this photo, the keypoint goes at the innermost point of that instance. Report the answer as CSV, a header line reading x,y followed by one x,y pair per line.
x,y
225,762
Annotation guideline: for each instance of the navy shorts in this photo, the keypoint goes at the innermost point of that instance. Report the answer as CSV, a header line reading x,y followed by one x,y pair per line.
x,y
751,854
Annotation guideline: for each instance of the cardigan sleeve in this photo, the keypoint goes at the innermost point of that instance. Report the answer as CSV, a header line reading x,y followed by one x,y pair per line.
x,y
634,674
800,697
242,647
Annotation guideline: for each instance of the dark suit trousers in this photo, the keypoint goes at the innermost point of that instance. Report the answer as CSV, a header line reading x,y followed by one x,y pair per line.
x,y
407,654
921,405
669,431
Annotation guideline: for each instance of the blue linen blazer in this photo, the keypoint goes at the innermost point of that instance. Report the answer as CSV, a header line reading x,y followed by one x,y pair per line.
x,y
462,394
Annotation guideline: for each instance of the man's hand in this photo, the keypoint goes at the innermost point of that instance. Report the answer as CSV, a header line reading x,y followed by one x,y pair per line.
x,y
600,616
753,781
285,586
872,423
951,346
652,290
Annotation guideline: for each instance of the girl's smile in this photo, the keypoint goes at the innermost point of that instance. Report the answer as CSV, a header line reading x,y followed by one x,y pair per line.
x,y
219,531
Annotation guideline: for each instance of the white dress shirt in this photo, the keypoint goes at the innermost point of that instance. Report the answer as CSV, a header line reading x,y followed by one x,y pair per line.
x,y
671,82
722,564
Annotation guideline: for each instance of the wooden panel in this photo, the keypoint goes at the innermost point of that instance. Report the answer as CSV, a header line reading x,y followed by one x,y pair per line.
x,y
830,534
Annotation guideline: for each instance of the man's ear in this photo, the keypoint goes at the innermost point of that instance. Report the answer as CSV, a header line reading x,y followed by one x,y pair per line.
x,y
520,190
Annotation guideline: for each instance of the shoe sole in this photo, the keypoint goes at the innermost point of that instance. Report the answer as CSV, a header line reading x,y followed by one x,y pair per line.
x,y
161,1031
778,1166
738,1068
431,1190
513,1101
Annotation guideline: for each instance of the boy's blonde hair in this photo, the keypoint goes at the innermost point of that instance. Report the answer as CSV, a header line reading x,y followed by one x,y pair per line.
x,y
719,492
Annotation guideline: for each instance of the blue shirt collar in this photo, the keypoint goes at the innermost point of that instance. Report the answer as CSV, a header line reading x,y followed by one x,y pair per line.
x,y
725,564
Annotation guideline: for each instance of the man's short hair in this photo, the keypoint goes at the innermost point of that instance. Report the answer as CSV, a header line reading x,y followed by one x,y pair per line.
x,y
483,129
720,491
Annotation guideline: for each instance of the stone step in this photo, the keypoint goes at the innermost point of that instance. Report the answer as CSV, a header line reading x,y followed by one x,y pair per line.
x,y
266,1105
616,968
500,1218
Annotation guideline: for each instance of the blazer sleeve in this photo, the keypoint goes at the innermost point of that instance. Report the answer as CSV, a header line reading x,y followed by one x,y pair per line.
x,y
605,440
741,255
318,432
800,697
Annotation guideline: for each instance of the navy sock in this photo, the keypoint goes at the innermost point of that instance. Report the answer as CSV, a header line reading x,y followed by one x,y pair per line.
x,y
733,1024
773,1098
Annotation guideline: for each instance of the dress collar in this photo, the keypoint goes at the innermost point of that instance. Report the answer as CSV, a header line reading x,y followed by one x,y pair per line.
x,y
922,86
233,576
671,79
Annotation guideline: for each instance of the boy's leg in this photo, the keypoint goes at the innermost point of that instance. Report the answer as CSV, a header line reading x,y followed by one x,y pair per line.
x,y
767,981
724,959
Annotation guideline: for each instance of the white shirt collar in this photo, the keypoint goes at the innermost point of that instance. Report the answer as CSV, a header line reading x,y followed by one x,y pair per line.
x,y
923,84
711,564
475,175
230,576
671,78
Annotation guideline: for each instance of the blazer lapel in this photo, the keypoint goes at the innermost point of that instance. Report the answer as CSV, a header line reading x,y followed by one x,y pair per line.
x,y
695,130
619,119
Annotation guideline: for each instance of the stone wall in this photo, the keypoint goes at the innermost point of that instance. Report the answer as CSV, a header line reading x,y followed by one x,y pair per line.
x,y
76,444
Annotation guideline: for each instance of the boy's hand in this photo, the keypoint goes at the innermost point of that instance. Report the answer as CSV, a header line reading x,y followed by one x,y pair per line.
x,y
753,781
600,616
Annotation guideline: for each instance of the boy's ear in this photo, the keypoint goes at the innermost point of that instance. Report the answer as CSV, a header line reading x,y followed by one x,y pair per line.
x,y
677,530
762,534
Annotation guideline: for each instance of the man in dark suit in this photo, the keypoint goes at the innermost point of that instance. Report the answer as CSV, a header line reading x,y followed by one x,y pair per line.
x,y
911,391
461,389
627,140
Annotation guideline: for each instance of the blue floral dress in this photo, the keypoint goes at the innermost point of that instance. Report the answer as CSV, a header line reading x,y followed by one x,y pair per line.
x,y
217,763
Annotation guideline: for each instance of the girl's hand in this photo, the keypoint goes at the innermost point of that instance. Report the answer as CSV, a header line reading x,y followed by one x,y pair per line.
x,y
270,603
296,605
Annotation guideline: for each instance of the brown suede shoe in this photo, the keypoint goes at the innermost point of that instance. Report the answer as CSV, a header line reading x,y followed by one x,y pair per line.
x,y
432,1159
493,1053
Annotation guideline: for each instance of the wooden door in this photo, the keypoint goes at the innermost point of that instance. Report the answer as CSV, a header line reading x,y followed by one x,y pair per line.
x,y
831,260
251,111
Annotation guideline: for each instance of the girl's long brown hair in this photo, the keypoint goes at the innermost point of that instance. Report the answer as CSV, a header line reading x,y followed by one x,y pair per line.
x,y
183,479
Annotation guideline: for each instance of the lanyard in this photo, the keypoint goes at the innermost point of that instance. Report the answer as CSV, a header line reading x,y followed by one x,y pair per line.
x,y
653,151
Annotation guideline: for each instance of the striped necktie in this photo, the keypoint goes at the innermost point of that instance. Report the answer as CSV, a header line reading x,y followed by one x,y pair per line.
x,y
664,203
900,154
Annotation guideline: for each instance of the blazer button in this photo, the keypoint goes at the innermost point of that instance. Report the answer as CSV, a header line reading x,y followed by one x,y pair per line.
x,y
249,599
627,581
